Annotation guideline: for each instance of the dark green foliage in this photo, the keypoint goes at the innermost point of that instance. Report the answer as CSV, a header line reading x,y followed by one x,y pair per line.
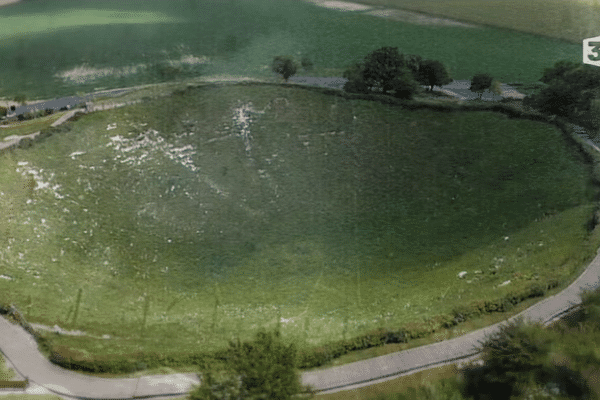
x,y
558,71
217,386
20,98
385,71
403,85
572,89
3,111
267,366
306,63
433,73
480,83
382,67
284,66
355,83
413,63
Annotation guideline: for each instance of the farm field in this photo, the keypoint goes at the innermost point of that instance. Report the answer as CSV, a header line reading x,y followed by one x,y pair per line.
x,y
248,206
55,48
570,21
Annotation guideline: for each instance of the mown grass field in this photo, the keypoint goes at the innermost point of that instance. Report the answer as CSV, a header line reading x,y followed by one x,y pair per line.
x,y
52,48
188,221
570,21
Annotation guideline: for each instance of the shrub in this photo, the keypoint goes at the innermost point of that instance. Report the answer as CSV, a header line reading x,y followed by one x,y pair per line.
x,y
306,63
267,366
511,356
284,66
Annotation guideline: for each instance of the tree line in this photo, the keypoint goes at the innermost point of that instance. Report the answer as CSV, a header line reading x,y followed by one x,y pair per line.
x,y
387,71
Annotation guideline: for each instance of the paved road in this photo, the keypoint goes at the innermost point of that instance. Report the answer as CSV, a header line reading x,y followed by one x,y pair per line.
x,y
21,351
458,89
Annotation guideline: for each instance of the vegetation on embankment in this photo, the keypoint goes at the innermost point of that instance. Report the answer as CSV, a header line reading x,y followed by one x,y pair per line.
x,y
510,223
558,362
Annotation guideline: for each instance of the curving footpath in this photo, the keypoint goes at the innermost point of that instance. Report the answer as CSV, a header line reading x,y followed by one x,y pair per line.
x,y
460,349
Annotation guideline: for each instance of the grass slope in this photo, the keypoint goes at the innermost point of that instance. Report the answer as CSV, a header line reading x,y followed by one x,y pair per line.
x,y
221,210
570,338
47,52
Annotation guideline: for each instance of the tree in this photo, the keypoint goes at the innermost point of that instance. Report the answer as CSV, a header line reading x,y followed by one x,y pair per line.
x,y
262,369
383,70
570,92
403,85
480,83
284,66
558,71
306,63
496,88
381,67
413,63
433,73
355,82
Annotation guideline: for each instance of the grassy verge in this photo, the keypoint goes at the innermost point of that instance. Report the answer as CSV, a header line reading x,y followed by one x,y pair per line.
x,y
27,127
569,338
6,374
386,198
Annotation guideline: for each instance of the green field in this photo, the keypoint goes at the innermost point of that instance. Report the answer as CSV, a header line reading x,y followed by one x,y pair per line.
x,y
51,48
570,21
222,210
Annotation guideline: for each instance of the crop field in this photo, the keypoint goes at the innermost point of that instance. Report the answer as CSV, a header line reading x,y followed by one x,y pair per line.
x,y
570,21
52,48
181,223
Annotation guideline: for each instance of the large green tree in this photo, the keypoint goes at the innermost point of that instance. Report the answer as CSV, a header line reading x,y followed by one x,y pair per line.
x,y
384,71
572,91
433,73
284,66
382,66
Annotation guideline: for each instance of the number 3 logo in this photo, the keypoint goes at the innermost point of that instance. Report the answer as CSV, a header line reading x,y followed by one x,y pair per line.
x,y
591,51
595,50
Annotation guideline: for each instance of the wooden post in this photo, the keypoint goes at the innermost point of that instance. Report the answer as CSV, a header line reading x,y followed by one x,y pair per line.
x,y
146,308
214,324
77,306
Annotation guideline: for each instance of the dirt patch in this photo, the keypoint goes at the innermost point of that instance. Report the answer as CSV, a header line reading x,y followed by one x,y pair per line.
x,y
7,2
341,5
416,18
393,14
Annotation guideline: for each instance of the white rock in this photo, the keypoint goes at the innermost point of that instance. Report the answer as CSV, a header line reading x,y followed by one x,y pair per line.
x,y
462,274
504,283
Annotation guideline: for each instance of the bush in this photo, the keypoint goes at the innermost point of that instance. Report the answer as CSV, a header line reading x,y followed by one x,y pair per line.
x,y
264,368
384,71
306,63
510,357
284,66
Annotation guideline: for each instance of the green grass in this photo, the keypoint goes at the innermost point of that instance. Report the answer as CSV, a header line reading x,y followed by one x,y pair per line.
x,y
152,34
6,374
571,339
30,126
571,21
322,208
